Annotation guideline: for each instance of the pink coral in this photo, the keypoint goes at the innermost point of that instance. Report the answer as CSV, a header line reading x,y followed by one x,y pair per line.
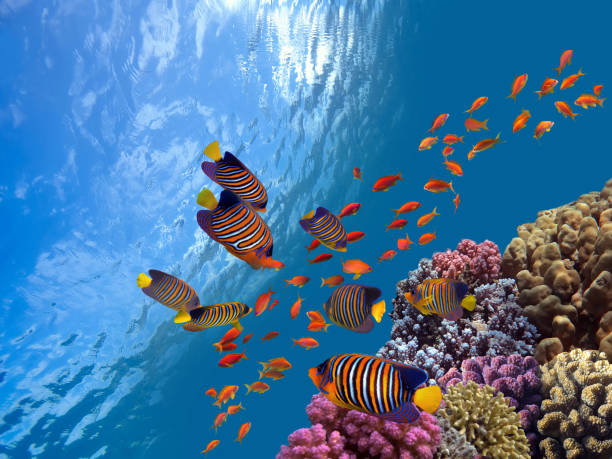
x,y
314,443
473,263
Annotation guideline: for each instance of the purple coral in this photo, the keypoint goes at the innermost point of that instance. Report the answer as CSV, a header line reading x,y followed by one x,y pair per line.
x,y
361,435
472,263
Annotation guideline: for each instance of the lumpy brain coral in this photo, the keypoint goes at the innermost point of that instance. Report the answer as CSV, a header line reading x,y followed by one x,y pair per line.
x,y
577,410
487,421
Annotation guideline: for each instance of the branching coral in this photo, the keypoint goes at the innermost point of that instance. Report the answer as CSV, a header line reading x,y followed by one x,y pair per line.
x,y
453,444
472,263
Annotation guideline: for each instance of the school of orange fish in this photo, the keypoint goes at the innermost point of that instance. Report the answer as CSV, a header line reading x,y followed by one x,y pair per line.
x,y
234,222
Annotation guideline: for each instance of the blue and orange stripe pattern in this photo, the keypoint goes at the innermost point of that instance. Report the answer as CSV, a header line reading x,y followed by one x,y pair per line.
x,y
326,227
348,306
446,295
170,291
217,314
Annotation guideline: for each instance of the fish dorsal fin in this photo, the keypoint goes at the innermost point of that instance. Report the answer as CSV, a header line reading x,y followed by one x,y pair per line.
x,y
157,275
412,377
371,294
228,199
320,212
231,159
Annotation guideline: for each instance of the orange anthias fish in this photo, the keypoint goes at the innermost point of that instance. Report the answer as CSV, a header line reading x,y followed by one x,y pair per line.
x,y
228,392
317,326
397,224
278,363
219,420
548,87
313,245
274,303
542,127
472,124
456,202
262,302
517,85
231,359
565,109
438,122
386,182
211,392
315,316
210,446
295,309
450,139
438,186
483,145
332,281
588,100
387,255
571,80
407,207
520,121
566,58
297,281
244,429
258,386
426,238
349,209
356,267
247,338
427,143
354,236
306,342
357,173
230,335
476,105
454,167
225,347
447,151
425,219
233,409
320,258
272,374
269,336
404,244
597,89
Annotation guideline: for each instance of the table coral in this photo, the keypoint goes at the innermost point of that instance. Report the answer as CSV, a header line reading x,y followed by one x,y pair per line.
x,y
474,264
577,410
488,422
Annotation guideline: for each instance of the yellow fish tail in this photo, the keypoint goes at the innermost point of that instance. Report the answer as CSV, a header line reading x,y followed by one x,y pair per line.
x,y
181,317
248,388
308,215
207,199
213,151
428,398
378,310
469,302
143,280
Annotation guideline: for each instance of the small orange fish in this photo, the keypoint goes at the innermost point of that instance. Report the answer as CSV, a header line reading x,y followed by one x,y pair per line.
x,y
244,429
450,139
228,392
231,359
357,173
454,167
247,338
542,127
566,58
356,267
477,104
588,100
315,316
225,347
258,386
456,201
397,224
269,336
427,143
278,363
219,420
230,335
520,121
426,238
295,309
597,89
438,186
438,122
548,87
483,145
332,281
565,109
297,281
404,244
233,409
354,236
272,374
262,302
472,124
274,303
425,219
407,207
210,446
447,151
313,245
320,258
386,182
211,392
517,85
387,255
571,80
306,342
318,326
350,209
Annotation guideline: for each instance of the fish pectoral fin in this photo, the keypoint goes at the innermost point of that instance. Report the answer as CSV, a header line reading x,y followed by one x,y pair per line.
x,y
213,151
181,317
469,302
237,325
378,310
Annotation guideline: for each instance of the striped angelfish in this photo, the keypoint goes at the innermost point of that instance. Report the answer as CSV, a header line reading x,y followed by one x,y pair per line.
x,y
326,227
381,387
350,306
168,290
444,297
236,226
215,315
234,176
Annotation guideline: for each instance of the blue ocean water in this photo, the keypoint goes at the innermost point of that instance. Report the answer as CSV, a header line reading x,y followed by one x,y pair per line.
x,y
105,108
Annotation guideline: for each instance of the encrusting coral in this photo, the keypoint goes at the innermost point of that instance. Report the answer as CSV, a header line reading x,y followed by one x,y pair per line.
x,y
577,410
453,444
488,422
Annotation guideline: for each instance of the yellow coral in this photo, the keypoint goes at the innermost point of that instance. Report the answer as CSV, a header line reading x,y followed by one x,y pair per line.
x,y
487,421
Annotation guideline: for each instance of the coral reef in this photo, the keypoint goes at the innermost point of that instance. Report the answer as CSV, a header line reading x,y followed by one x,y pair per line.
x,y
453,444
472,263
361,435
577,410
563,266
487,421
